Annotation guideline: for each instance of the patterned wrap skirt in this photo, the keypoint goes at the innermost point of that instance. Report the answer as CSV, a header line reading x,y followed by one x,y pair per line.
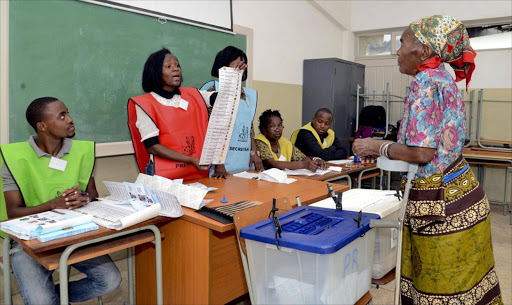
x,y
447,255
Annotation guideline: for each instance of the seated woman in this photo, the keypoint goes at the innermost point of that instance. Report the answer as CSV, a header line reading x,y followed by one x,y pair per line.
x,y
317,139
276,151
242,148
168,124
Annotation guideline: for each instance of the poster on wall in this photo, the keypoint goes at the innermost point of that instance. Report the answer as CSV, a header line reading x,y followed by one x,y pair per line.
x,y
215,15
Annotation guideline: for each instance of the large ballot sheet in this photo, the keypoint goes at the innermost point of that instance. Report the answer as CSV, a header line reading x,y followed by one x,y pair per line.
x,y
222,119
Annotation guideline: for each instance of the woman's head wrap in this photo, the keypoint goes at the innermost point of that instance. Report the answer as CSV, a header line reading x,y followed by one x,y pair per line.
x,y
449,39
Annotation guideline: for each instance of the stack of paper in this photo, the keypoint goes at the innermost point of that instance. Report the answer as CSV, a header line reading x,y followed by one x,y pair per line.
x,y
188,196
340,162
117,216
49,225
140,197
272,175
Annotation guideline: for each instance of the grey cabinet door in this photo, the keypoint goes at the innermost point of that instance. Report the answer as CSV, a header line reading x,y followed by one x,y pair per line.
x,y
332,83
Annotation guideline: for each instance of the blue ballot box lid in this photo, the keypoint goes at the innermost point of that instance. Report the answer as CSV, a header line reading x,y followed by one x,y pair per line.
x,y
311,229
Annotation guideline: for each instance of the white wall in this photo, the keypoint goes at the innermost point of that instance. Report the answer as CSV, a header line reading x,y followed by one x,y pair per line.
x,y
371,15
493,69
286,33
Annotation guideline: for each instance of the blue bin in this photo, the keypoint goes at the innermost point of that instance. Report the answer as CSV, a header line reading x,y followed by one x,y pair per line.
x,y
325,257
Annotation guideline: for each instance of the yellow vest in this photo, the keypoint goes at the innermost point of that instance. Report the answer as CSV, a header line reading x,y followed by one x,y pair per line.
x,y
328,140
285,146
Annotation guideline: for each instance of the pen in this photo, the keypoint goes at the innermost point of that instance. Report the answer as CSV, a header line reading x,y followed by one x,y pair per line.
x,y
58,212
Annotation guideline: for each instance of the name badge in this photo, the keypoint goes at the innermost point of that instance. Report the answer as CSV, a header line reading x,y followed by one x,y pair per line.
x,y
282,158
58,164
183,104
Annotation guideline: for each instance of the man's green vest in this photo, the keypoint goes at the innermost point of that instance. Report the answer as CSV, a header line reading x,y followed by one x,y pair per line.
x,y
39,183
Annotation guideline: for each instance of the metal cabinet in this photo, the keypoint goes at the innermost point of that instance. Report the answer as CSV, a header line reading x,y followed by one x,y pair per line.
x,y
332,83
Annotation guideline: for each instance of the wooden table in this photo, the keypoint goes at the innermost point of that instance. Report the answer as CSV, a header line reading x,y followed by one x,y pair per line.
x,y
347,173
201,261
482,158
60,253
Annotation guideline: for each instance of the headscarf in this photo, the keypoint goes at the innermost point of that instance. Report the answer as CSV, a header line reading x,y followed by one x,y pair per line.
x,y
449,39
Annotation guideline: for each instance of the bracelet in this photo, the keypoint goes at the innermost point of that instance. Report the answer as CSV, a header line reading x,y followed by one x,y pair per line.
x,y
383,149
316,158
387,150
253,153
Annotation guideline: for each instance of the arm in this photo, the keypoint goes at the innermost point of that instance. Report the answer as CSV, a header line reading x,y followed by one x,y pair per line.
x,y
255,158
306,163
422,123
299,161
70,199
340,151
370,147
170,154
308,144
91,190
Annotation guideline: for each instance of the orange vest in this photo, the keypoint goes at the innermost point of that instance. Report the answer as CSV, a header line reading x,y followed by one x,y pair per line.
x,y
181,130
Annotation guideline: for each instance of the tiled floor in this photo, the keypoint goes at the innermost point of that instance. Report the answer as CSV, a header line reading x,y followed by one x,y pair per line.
x,y
502,244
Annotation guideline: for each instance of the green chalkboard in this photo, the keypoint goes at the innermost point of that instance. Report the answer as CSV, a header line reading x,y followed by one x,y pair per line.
x,y
91,57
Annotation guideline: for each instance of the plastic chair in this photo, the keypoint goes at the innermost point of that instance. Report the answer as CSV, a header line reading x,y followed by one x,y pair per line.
x,y
411,169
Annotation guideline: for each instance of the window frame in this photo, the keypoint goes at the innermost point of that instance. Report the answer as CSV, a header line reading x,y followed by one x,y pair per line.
x,y
399,30
393,32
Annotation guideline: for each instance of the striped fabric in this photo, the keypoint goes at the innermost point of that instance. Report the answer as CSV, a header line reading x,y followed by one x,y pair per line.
x,y
447,255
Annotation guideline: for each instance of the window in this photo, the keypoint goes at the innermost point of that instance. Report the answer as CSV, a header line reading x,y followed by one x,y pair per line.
x,y
491,36
375,45
378,44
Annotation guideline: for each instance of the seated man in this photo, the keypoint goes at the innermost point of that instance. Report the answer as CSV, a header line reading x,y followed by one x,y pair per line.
x,y
51,171
315,139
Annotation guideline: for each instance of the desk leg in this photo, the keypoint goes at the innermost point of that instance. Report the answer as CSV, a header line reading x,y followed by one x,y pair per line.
x,y
505,204
63,270
6,266
129,260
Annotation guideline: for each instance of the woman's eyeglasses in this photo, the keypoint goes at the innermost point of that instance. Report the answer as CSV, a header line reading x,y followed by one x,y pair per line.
x,y
274,128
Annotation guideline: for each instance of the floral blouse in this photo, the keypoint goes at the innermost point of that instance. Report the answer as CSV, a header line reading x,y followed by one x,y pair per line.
x,y
435,117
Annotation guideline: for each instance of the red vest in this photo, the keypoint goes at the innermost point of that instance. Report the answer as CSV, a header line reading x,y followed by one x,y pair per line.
x,y
181,130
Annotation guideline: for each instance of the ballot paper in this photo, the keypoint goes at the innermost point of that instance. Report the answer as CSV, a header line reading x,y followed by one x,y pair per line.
x,y
139,197
188,196
222,119
271,175
305,172
117,217
340,162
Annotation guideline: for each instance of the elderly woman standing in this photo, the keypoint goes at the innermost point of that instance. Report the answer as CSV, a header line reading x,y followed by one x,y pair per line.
x,y
447,253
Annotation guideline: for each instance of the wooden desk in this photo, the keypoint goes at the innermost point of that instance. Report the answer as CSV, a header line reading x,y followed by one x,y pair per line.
x,y
353,172
59,253
482,158
201,261
333,175
489,155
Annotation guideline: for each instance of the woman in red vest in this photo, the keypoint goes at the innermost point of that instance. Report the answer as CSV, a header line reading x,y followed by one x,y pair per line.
x,y
168,124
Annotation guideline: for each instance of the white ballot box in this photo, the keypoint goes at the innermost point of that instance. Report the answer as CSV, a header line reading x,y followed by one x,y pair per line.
x,y
387,206
324,257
